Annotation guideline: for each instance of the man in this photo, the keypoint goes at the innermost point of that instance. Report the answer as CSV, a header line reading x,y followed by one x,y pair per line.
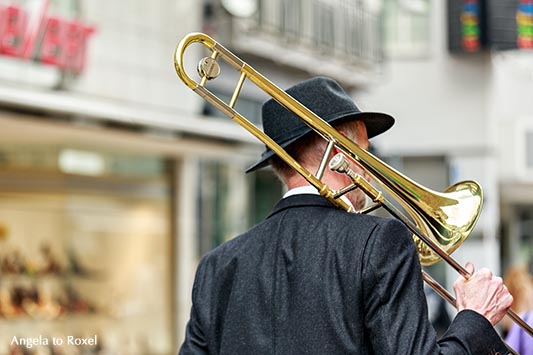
x,y
313,279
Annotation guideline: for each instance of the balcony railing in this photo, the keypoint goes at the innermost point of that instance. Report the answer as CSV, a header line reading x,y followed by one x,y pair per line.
x,y
345,29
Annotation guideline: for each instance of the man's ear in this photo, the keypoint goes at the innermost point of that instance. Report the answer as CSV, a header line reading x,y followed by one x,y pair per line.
x,y
343,132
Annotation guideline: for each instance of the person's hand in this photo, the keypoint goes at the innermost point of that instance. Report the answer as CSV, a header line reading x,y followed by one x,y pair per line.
x,y
484,293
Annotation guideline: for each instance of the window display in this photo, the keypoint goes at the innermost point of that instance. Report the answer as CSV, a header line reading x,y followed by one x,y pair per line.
x,y
85,265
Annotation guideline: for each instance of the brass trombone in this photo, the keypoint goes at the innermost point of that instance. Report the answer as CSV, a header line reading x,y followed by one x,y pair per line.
x,y
440,222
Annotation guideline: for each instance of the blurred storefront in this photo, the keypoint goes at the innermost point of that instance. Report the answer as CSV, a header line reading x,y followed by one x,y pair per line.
x,y
109,175
115,178
458,79
85,234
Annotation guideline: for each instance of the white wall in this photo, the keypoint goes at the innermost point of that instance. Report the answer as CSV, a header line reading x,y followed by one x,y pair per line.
x,y
457,105
510,107
439,101
446,105
130,56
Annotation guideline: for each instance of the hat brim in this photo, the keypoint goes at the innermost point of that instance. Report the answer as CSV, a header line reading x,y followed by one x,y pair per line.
x,y
375,122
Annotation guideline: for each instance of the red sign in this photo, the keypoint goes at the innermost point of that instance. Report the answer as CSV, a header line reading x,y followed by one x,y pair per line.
x,y
50,40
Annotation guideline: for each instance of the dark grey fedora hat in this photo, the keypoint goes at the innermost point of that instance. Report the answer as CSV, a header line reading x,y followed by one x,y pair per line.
x,y
325,98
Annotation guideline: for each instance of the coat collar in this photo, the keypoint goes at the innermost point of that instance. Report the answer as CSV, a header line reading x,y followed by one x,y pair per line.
x,y
301,200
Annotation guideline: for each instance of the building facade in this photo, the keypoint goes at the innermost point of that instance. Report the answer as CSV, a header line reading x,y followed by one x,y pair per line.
x,y
464,104
109,173
115,178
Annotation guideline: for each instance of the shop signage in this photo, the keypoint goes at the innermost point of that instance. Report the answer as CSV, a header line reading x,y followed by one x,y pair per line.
x,y
470,26
46,39
475,25
524,24
467,26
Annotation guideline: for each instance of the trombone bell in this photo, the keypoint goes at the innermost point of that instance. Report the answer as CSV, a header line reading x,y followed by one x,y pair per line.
x,y
439,221
448,224
445,218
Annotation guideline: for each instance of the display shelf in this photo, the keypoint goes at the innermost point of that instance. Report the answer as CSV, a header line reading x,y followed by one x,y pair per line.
x,y
94,257
7,277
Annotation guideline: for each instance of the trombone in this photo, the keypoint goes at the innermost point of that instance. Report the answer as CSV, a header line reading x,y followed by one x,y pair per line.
x,y
440,222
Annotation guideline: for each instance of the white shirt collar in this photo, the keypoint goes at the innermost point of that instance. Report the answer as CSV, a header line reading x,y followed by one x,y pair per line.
x,y
300,190
310,190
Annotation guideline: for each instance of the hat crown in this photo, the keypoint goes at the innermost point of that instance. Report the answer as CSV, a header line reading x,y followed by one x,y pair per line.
x,y
323,96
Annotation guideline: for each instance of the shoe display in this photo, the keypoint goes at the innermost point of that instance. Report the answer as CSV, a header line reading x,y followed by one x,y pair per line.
x,y
26,295
78,269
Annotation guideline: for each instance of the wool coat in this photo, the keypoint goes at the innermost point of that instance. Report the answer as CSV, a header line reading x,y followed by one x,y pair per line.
x,y
313,279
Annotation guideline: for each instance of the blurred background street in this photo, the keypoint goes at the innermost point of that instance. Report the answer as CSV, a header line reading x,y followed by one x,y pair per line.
x,y
115,178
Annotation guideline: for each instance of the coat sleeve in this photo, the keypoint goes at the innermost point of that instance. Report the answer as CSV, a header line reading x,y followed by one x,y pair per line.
x,y
396,316
195,342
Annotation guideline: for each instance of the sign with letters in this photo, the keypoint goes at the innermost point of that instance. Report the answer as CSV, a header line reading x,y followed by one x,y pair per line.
x,y
511,24
524,24
476,25
46,39
466,26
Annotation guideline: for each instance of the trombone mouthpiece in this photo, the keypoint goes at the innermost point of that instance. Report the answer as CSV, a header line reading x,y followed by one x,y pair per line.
x,y
338,163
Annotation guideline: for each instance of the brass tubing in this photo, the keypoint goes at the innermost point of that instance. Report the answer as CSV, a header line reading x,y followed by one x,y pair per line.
x,y
440,219
442,292
237,90
451,261
325,159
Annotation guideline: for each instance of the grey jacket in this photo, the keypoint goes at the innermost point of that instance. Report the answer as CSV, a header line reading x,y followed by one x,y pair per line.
x,y
312,279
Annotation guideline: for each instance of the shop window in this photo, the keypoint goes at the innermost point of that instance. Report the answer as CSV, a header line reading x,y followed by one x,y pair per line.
x,y
222,203
78,252
212,195
266,190
407,28
230,201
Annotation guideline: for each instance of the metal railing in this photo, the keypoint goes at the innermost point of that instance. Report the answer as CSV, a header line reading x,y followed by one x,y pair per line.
x,y
341,28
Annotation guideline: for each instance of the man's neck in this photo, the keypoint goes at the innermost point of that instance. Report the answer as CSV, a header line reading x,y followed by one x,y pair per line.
x,y
306,189
310,190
